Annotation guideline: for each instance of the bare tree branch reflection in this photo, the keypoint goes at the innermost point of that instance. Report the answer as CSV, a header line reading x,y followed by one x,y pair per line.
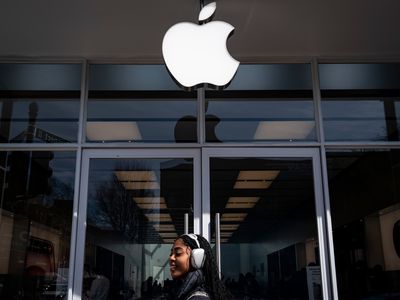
x,y
117,208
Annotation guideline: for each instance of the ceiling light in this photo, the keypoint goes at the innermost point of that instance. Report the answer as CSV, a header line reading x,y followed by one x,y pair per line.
x,y
152,205
257,185
258,175
164,227
147,185
130,176
159,217
138,180
242,202
168,241
228,217
113,131
168,234
255,179
226,234
284,130
230,227
150,202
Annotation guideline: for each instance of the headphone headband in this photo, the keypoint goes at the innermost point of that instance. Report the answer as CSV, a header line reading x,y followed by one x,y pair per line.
x,y
194,237
197,257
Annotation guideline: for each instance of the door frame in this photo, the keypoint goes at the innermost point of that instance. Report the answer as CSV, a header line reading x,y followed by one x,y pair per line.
x,y
89,154
313,154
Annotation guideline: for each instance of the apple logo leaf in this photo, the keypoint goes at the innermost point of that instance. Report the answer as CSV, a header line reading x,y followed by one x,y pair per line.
x,y
207,11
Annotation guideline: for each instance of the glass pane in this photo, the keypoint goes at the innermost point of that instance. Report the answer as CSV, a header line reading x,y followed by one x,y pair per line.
x,y
35,223
260,120
272,77
268,227
360,101
109,77
365,204
264,102
139,103
39,103
361,118
135,211
142,120
359,76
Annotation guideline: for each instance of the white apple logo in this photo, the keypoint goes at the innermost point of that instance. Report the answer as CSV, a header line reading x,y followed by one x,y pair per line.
x,y
197,54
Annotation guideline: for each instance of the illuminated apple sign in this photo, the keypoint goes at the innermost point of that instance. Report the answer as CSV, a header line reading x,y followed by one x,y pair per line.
x,y
197,54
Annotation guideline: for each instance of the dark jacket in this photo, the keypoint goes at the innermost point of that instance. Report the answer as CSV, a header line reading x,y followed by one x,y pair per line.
x,y
191,288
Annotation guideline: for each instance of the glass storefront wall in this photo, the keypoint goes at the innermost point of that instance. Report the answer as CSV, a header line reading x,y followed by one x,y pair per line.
x,y
365,202
272,102
269,236
39,103
37,191
360,102
136,209
139,105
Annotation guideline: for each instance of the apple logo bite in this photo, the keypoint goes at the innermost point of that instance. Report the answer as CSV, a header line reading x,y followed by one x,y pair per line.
x,y
197,54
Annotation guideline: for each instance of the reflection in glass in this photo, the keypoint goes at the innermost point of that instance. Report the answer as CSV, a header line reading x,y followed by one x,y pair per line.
x,y
259,120
277,77
135,211
360,101
268,227
38,120
141,120
35,223
365,204
39,103
360,118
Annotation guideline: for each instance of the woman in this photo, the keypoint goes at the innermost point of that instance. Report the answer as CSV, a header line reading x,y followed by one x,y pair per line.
x,y
193,268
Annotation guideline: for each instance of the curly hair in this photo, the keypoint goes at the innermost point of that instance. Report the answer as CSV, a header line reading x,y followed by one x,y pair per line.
x,y
214,284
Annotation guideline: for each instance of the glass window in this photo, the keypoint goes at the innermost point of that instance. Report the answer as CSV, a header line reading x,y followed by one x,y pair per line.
x,y
360,102
268,227
135,211
277,77
279,106
39,103
365,205
260,120
125,106
37,191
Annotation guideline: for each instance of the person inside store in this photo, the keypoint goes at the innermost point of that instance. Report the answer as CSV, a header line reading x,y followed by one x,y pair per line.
x,y
100,286
194,270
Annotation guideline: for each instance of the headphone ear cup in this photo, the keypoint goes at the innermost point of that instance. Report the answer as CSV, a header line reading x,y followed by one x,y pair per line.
x,y
197,258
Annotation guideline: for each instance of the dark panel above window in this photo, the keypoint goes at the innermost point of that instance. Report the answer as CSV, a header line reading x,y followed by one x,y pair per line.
x,y
272,77
110,77
40,77
359,76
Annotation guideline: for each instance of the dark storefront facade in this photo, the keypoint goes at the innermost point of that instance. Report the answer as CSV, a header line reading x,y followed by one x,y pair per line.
x,y
292,171
102,163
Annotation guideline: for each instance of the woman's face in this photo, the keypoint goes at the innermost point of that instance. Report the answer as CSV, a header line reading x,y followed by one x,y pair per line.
x,y
179,260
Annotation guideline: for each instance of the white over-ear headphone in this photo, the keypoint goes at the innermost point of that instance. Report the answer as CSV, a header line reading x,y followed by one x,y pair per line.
x,y
197,257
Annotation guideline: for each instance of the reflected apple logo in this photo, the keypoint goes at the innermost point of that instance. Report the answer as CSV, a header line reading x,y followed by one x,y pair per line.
x,y
197,54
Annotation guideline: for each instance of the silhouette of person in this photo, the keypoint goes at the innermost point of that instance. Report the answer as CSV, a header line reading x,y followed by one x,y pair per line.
x,y
100,286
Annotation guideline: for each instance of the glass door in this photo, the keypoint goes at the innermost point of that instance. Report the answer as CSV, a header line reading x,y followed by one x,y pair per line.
x,y
133,204
263,209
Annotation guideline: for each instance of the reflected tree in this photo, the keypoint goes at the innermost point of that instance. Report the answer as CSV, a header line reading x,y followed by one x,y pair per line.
x,y
117,208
